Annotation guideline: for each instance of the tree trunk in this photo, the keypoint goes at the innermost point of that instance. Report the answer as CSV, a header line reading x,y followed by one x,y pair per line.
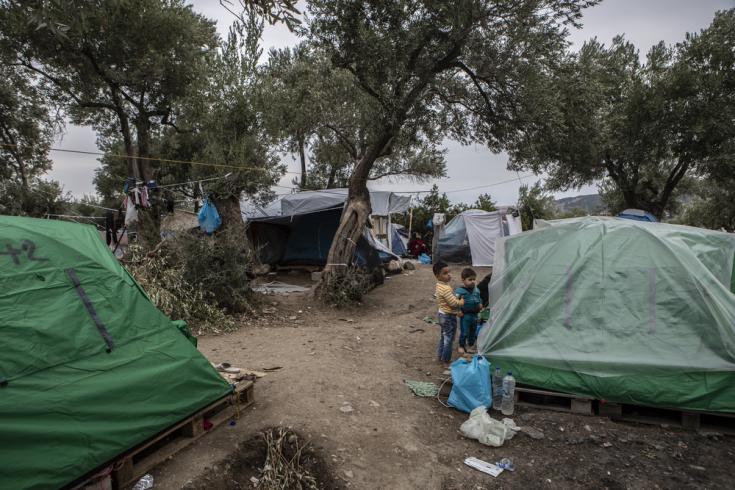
x,y
229,210
149,229
302,156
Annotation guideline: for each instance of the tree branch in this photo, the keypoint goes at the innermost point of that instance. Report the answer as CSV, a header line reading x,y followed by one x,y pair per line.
x,y
344,141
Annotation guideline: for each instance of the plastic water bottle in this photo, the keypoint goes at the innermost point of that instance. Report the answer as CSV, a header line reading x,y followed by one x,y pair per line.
x,y
497,388
509,388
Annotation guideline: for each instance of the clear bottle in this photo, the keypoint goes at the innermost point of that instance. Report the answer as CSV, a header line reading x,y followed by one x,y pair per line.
x,y
497,380
509,388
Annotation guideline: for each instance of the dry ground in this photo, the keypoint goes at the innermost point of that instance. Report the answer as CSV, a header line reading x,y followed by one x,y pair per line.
x,y
392,439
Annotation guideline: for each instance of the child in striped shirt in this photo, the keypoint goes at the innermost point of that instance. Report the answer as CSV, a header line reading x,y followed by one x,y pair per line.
x,y
448,305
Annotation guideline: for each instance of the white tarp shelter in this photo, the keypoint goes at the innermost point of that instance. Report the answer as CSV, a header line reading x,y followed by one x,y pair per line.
x,y
470,237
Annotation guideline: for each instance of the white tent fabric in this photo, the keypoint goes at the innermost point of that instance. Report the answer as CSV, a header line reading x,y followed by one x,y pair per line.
x,y
249,209
515,225
482,231
382,202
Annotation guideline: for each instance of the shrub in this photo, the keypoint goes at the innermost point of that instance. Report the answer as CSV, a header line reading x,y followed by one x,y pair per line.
x,y
344,288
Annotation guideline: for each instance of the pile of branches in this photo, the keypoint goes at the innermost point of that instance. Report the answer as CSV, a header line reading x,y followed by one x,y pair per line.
x,y
283,464
163,275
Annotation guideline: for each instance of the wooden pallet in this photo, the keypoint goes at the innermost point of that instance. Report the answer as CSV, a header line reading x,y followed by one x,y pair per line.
x,y
128,467
723,423
553,400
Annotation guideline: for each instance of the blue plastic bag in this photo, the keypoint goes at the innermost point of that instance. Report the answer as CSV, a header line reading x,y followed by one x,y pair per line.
x,y
470,384
209,219
424,259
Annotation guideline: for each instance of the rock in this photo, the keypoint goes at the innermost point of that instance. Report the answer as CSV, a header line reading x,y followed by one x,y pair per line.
x,y
374,404
346,408
588,428
409,266
349,474
394,266
261,269
607,444
532,432
698,468
316,276
292,317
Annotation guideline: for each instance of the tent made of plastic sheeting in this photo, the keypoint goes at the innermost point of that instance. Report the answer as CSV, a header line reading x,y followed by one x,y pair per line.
x,y
383,203
618,310
305,239
637,215
470,237
90,368
399,240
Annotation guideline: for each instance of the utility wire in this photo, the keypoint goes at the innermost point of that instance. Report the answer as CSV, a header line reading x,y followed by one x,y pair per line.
x,y
156,159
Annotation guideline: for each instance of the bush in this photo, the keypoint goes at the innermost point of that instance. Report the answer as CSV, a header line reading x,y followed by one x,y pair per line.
x,y
198,279
344,288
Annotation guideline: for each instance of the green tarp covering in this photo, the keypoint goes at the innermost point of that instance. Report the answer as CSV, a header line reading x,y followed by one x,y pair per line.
x,y
89,366
620,310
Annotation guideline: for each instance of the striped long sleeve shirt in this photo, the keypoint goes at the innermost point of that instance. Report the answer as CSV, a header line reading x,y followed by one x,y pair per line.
x,y
446,300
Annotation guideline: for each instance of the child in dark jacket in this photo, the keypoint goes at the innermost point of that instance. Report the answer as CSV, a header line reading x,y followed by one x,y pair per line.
x,y
468,314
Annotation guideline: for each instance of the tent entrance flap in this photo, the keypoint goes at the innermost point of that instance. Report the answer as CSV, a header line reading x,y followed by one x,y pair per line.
x,y
480,227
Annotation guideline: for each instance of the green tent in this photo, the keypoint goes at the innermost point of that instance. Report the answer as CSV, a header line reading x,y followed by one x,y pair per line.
x,y
620,310
90,367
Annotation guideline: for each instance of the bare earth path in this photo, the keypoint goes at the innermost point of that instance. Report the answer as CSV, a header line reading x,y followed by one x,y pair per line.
x,y
330,359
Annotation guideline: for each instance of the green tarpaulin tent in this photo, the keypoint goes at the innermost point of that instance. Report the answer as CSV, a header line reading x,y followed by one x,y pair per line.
x,y
89,366
625,311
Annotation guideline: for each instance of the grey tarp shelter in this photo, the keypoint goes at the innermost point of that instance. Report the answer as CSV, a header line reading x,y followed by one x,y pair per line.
x,y
302,230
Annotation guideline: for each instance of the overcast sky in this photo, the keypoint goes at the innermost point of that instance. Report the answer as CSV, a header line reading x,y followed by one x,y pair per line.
x,y
643,22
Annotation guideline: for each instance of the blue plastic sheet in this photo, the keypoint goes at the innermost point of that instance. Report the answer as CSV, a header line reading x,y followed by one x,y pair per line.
x,y
209,219
424,259
471,386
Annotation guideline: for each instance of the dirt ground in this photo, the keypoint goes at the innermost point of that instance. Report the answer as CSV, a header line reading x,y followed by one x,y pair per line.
x,y
332,359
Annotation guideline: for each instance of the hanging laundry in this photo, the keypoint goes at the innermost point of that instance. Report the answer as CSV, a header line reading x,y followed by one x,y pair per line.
x,y
209,219
144,197
131,214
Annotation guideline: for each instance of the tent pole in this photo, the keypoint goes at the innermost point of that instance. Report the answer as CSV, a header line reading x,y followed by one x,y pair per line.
x,y
388,234
410,222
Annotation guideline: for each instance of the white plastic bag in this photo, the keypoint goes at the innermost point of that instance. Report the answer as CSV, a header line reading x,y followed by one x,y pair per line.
x,y
484,428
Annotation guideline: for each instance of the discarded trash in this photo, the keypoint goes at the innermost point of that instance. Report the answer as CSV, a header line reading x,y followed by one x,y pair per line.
x,y
144,483
277,287
607,444
513,428
374,404
207,424
506,464
509,387
483,466
349,474
532,432
271,369
425,389
347,408
485,429
428,319
416,330
226,367
232,423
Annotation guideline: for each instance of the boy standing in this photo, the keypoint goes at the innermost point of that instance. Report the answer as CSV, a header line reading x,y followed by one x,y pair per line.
x,y
449,306
468,313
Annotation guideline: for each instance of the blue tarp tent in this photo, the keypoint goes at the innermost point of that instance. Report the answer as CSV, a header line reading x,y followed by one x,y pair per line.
x,y
637,215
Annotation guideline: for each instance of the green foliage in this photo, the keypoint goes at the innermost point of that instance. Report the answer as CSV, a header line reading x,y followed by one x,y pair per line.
x,y
712,205
36,199
640,129
162,276
535,203
343,288
222,265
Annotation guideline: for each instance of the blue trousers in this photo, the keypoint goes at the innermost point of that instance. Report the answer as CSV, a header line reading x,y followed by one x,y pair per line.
x,y
448,324
468,330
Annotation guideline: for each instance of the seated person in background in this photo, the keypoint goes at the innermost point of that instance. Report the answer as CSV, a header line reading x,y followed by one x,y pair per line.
x,y
416,246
